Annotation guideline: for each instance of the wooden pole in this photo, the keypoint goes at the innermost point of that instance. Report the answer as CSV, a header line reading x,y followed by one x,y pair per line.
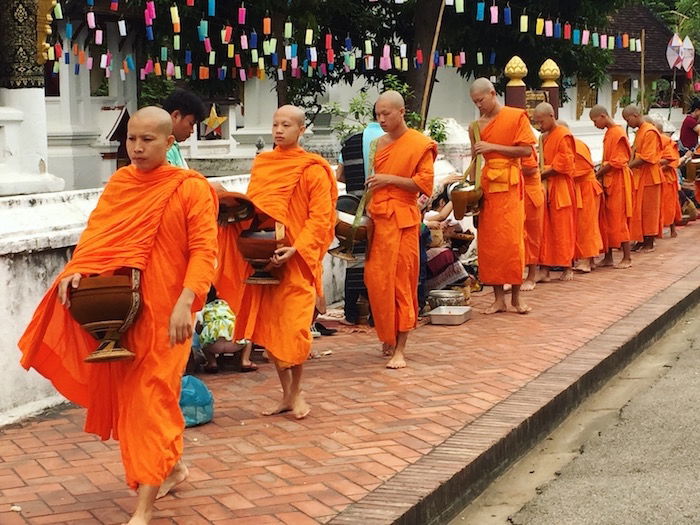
x,y
643,102
431,66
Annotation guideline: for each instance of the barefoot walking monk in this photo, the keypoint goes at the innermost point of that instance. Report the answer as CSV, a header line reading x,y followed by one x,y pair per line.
x,y
646,177
160,219
559,241
403,168
616,178
534,219
505,138
670,202
296,189
589,242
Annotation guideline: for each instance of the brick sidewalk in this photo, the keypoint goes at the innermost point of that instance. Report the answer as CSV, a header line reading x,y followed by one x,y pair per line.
x,y
367,423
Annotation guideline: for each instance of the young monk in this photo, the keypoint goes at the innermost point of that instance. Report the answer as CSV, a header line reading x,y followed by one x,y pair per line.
x,y
160,219
670,202
506,137
589,242
558,150
646,171
403,168
534,219
616,178
296,189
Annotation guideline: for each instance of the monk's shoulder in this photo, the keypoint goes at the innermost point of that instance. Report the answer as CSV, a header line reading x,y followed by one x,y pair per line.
x,y
195,186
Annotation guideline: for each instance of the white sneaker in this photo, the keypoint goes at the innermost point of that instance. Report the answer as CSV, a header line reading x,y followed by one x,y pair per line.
x,y
315,333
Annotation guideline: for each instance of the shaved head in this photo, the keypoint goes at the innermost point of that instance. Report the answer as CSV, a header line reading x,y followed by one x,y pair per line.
x,y
544,109
481,85
631,110
597,111
394,98
543,116
157,119
293,112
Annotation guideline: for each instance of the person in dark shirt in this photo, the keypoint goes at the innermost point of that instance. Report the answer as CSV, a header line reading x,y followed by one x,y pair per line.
x,y
690,129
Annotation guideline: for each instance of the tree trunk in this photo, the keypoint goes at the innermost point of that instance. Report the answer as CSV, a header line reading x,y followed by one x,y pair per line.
x,y
425,21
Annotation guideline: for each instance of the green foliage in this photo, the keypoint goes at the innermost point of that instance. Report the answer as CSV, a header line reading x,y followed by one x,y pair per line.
x,y
154,89
437,130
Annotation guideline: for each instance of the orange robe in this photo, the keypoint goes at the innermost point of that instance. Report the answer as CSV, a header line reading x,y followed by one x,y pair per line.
x,y
298,189
670,202
617,186
589,242
534,210
164,223
559,240
646,215
391,269
502,220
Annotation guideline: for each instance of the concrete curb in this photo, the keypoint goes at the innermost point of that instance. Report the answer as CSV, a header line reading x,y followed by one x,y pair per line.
x,y
437,486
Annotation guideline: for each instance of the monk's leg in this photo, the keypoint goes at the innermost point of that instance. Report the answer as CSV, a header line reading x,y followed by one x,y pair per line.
x,y
387,349
296,399
626,261
648,245
674,233
517,303
398,360
285,375
568,274
583,265
608,259
499,304
144,506
546,277
531,279
176,476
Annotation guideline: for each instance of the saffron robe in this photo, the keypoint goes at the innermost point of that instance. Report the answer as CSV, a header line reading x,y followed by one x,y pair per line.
x,y
392,265
502,219
589,242
617,188
534,209
297,189
670,202
559,240
162,222
646,215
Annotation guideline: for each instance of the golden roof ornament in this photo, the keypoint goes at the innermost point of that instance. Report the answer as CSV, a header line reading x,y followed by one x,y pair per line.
x,y
516,70
43,28
549,73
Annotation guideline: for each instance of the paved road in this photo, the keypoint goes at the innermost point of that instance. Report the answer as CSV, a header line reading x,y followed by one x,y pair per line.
x,y
615,461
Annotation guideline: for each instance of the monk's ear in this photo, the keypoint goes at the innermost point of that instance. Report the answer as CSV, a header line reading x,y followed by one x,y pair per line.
x,y
171,140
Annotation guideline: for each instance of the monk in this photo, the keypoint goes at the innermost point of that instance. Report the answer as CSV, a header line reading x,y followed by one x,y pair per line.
x,y
616,178
534,219
160,219
670,202
297,190
505,138
589,242
558,152
402,168
646,171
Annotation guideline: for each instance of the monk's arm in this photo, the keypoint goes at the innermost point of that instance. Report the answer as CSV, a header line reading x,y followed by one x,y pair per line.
x,y
605,168
514,152
340,173
311,241
638,162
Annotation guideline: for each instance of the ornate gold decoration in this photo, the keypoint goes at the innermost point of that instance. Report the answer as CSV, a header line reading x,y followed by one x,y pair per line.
x,y
549,73
516,70
214,121
586,96
43,28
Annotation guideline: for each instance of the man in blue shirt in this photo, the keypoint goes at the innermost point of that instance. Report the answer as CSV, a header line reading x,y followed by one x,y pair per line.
x,y
186,110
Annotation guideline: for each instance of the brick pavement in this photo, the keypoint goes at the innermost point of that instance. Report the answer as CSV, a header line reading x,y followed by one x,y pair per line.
x,y
377,441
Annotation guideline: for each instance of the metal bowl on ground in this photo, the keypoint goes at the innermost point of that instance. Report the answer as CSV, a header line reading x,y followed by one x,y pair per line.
x,y
437,298
450,315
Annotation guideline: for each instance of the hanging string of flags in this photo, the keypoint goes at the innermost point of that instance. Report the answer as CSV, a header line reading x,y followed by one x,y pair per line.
x,y
240,51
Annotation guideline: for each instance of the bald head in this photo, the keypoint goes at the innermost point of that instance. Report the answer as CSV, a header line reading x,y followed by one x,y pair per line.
x,y
156,118
633,116
597,111
483,94
288,126
544,117
393,98
391,108
544,109
480,86
293,112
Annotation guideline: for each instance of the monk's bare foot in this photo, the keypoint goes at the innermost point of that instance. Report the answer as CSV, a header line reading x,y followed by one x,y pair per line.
x,y
674,233
544,278
521,307
528,285
300,408
583,266
387,350
397,361
283,407
568,275
607,261
177,476
623,264
498,306
637,246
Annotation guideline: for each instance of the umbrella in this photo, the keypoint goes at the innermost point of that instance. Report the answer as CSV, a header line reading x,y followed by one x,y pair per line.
x,y
673,52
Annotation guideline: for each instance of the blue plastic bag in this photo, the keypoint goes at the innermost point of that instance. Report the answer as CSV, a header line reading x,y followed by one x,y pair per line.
x,y
196,402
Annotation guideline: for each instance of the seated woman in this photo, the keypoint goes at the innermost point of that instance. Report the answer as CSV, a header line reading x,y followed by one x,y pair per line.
x,y
216,334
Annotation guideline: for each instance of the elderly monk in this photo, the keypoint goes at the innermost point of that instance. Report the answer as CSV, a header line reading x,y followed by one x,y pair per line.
x,y
296,189
534,219
505,138
160,219
589,242
670,202
558,151
646,171
616,178
402,168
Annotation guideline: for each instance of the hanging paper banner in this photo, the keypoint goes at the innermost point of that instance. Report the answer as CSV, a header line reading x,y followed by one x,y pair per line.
x,y
507,19
539,26
241,15
577,37
523,23
567,31
585,37
494,13
480,6
459,6
288,29
557,29
121,24
548,28
625,40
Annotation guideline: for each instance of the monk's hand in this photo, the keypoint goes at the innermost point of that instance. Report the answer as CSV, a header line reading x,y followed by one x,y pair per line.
x,y
180,328
72,281
379,180
282,255
482,147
